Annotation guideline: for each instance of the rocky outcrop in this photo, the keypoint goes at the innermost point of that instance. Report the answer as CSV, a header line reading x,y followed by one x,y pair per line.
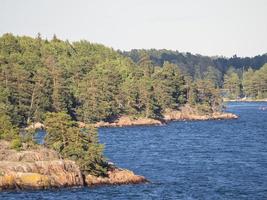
x,y
37,153
129,121
245,100
184,113
115,176
39,174
42,168
177,116
36,169
188,113
35,126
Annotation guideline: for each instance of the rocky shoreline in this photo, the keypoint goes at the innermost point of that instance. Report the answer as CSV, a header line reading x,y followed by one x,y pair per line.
x,y
245,100
130,121
42,168
185,113
188,113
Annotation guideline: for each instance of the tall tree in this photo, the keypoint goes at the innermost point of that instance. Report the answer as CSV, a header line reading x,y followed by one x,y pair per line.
x,y
169,86
72,142
248,83
232,85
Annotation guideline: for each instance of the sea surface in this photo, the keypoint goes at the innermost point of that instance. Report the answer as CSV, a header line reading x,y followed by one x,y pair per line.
x,y
225,159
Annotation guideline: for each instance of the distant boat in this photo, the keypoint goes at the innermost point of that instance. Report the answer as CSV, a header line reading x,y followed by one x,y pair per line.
x,y
263,108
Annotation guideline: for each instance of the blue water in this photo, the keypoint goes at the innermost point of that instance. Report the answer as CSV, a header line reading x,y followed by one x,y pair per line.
x,y
224,159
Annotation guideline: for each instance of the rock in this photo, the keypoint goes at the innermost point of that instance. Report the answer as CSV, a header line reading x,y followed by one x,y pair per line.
x,y
224,116
129,121
115,177
37,154
35,126
185,113
188,113
42,168
36,169
30,180
245,99
39,174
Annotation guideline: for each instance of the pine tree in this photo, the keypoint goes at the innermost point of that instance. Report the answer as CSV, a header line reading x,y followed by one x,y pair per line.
x,y
232,85
170,87
72,142
248,83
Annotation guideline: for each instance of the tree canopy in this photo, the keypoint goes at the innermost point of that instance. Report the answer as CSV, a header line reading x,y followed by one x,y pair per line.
x,y
89,82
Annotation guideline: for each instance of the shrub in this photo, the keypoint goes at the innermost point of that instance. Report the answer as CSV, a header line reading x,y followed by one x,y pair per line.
x,y
16,144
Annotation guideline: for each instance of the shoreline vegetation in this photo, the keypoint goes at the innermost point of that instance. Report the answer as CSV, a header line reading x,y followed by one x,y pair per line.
x,y
186,113
125,121
71,88
174,116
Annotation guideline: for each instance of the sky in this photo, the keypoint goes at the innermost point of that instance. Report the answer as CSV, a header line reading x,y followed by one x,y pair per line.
x,y
207,27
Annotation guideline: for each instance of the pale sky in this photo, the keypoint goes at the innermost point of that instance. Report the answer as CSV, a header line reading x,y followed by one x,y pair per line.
x,y
208,27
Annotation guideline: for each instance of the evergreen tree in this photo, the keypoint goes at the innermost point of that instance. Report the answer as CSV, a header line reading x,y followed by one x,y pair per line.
x,y
232,85
98,95
248,83
72,142
169,86
7,130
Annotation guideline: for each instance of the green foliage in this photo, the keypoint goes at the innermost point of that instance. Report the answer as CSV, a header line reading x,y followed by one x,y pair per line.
x,y
72,142
16,144
254,83
213,75
98,94
205,97
232,85
7,130
248,83
89,81
170,86
198,66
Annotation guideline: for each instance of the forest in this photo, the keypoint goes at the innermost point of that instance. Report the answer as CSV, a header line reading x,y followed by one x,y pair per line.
x,y
61,83
90,82
237,77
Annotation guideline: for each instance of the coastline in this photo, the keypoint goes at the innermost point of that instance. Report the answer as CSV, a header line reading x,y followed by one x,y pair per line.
x,y
173,115
245,100
186,113
42,168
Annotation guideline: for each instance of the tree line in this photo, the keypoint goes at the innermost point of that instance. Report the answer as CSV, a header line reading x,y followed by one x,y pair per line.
x,y
247,84
60,83
237,77
89,82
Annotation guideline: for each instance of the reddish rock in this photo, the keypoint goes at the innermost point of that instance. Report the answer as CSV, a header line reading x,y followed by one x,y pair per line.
x,y
115,177
36,169
42,168
188,113
129,121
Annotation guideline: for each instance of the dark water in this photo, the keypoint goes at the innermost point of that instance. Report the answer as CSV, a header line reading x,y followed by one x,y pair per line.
x,y
224,159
